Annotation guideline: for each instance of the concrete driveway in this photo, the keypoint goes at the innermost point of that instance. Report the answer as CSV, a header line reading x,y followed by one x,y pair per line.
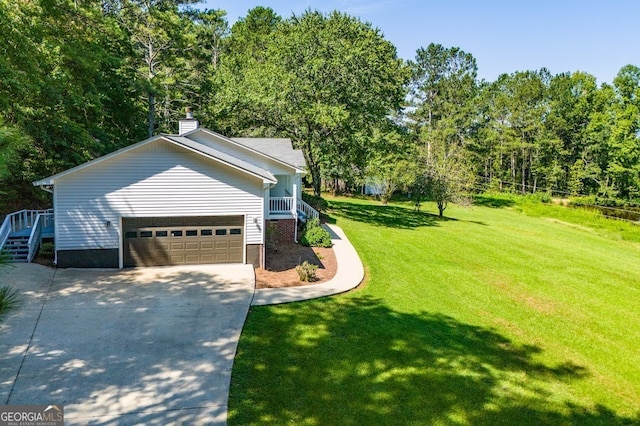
x,y
140,346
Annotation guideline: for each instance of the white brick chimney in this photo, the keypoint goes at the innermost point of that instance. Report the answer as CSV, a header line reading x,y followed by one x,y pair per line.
x,y
187,124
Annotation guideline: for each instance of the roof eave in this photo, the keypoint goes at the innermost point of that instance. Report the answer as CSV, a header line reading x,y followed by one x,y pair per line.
x,y
267,177
248,148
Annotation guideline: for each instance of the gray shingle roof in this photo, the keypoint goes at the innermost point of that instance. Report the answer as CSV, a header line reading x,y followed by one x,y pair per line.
x,y
223,157
278,148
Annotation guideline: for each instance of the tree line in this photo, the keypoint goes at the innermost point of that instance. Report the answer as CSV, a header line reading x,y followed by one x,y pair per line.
x,y
79,79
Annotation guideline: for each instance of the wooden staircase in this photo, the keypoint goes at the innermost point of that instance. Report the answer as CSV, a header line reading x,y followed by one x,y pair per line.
x,y
21,234
16,249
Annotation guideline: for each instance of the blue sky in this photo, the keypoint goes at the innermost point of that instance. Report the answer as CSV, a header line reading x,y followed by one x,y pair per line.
x,y
598,37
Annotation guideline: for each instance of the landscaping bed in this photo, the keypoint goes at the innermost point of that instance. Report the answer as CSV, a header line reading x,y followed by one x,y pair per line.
x,y
282,261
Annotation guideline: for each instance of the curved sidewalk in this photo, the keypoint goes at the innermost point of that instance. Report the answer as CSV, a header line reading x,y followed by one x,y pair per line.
x,y
350,273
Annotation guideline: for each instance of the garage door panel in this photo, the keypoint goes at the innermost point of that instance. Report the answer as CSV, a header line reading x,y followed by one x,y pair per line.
x,y
192,245
176,246
222,245
183,240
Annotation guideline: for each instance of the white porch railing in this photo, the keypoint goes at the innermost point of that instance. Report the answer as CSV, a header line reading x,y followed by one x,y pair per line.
x,y
26,218
291,205
281,205
305,208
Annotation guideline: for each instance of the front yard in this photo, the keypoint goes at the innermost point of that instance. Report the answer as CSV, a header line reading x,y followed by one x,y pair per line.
x,y
491,317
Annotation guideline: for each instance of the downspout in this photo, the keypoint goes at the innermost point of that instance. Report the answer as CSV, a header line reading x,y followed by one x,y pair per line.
x,y
49,189
294,207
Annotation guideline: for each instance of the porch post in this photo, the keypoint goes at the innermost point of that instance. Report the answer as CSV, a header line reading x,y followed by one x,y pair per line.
x,y
294,207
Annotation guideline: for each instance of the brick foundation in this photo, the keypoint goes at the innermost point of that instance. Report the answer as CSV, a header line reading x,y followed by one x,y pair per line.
x,y
254,255
284,229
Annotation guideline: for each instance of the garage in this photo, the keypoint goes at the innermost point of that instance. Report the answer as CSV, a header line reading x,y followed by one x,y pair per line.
x,y
160,241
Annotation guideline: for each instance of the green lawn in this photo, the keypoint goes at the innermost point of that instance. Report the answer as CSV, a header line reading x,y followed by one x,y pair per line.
x,y
505,313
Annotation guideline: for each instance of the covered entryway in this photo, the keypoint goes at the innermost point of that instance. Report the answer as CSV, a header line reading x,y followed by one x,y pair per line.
x,y
160,241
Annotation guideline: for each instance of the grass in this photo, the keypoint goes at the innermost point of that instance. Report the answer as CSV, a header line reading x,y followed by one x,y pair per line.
x,y
505,313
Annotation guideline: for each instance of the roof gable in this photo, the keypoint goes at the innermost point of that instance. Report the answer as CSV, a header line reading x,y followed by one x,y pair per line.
x,y
189,144
278,150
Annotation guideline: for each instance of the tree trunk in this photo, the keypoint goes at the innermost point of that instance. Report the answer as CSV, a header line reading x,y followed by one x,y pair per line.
x,y
151,104
524,171
441,208
513,171
315,177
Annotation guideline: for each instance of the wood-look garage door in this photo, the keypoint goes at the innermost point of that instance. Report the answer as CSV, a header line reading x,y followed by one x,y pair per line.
x,y
159,241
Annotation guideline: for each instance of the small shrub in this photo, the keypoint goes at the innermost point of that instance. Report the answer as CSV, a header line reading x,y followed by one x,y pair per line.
x,y
46,250
307,271
272,236
314,235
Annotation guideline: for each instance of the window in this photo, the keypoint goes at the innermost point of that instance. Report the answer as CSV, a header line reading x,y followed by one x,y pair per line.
x,y
192,233
146,234
130,234
161,233
206,232
235,231
176,233
221,232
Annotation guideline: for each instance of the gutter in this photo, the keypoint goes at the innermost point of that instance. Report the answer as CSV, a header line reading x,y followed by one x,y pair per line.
x,y
48,188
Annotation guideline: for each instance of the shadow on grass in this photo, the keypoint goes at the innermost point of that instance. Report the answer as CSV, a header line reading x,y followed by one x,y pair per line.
x,y
355,361
384,215
493,202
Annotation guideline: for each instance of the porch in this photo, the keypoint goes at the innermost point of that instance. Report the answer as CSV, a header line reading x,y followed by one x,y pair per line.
x,y
22,232
290,207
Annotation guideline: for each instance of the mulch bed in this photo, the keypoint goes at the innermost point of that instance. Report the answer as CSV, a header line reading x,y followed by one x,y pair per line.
x,y
281,265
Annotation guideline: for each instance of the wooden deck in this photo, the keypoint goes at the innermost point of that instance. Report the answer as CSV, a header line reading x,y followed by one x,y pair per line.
x,y
47,232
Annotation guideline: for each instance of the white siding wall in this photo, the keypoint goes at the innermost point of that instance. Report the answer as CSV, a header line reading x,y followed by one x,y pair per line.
x,y
281,188
159,179
242,153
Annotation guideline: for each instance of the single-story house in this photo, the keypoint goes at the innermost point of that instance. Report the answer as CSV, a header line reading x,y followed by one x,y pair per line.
x,y
192,198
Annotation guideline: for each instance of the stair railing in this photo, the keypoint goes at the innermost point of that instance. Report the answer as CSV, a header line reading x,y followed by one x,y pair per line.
x,y
35,238
5,230
309,211
13,223
17,221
